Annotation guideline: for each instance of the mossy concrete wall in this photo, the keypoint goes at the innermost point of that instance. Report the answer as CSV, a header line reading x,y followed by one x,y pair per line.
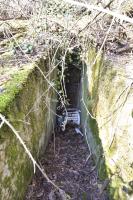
x,y
26,103
109,97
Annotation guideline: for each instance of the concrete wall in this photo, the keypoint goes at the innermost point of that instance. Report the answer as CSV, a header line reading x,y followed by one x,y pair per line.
x,y
27,110
108,95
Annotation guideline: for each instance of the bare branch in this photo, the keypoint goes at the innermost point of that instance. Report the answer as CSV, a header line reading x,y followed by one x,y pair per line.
x,y
100,9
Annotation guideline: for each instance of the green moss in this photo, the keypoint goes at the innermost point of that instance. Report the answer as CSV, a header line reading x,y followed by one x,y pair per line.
x,y
132,113
94,128
23,90
96,69
23,179
116,189
6,182
105,86
101,80
113,148
12,153
13,87
101,165
91,99
102,172
0,193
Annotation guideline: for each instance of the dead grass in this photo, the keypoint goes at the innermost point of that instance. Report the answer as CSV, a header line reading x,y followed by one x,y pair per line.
x,y
57,24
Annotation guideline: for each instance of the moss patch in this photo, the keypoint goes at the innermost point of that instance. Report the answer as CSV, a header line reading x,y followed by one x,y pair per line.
x,y
23,107
109,102
12,87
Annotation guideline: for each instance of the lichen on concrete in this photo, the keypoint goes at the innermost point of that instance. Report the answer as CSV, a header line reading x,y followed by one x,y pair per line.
x,y
13,86
110,103
23,104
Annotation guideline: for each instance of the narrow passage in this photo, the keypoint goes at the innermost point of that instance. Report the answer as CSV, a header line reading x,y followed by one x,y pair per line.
x,y
65,158
67,167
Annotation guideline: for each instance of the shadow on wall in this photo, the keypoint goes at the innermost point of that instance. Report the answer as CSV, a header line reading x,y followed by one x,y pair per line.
x,y
76,86
73,77
69,85
90,129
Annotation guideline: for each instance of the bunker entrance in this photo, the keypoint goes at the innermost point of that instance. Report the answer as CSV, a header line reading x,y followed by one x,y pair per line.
x,y
69,115
67,160
73,78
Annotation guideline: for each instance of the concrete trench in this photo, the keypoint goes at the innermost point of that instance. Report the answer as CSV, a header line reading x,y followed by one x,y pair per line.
x,y
65,158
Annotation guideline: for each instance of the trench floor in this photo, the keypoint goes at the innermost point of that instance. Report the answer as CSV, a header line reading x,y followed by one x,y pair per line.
x,y
65,164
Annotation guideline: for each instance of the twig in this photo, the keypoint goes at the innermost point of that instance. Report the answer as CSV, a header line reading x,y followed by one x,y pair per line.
x,y
82,100
100,9
105,38
96,16
35,164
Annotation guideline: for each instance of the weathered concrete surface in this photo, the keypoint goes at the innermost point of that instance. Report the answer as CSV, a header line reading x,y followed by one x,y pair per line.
x,y
110,101
26,103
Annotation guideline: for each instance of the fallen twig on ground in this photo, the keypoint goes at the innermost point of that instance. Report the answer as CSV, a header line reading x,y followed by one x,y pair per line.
x,y
35,164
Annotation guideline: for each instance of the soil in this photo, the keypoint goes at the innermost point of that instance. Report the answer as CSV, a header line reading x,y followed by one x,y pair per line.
x,y
65,163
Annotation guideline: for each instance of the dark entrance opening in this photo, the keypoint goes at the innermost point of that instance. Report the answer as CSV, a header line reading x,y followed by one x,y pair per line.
x,y
73,78
69,115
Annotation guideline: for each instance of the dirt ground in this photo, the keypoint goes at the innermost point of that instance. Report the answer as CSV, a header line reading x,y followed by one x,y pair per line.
x,y
65,164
